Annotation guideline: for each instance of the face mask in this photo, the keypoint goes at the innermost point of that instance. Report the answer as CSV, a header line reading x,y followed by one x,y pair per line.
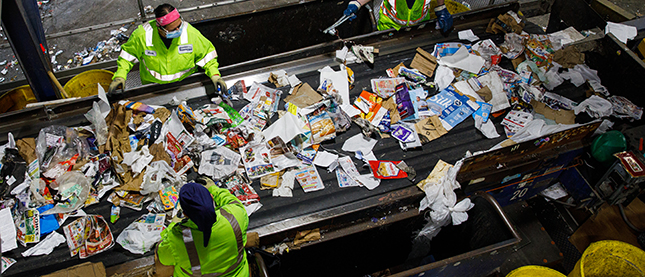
x,y
176,33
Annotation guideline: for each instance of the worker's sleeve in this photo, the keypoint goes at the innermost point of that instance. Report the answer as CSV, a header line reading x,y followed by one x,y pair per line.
x,y
207,56
130,52
222,196
165,249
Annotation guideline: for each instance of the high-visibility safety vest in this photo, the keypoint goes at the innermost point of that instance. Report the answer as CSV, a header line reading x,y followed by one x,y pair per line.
x,y
162,65
396,13
182,245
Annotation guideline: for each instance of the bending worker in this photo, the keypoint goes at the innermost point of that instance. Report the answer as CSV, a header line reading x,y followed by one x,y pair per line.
x,y
210,241
168,50
399,13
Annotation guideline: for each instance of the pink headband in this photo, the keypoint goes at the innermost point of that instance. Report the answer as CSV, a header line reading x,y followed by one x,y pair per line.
x,y
168,18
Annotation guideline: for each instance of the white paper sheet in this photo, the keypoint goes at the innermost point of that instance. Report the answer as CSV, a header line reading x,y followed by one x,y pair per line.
x,y
567,36
621,31
359,143
324,158
7,230
350,110
287,127
369,181
463,60
464,88
468,35
251,208
443,77
339,79
104,104
496,86
46,246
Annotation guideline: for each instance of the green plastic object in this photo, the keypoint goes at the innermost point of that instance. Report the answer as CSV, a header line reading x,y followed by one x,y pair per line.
x,y
606,145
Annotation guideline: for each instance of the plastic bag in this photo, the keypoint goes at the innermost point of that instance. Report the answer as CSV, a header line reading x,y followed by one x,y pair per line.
x,y
155,173
95,117
74,188
57,144
141,235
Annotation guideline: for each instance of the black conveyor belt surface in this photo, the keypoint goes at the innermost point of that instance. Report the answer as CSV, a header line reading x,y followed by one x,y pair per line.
x,y
450,148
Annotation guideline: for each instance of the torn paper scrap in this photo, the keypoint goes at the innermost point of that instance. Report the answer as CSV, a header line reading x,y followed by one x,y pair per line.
x,y
287,127
462,59
468,35
324,158
369,181
359,143
621,31
7,231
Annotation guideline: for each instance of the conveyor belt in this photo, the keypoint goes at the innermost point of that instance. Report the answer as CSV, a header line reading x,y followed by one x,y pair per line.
x,y
305,208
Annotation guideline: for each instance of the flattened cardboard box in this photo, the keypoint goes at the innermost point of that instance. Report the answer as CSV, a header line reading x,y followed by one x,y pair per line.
x,y
424,62
87,269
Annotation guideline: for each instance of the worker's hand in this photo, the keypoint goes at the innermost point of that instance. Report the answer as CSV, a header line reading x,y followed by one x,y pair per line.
x,y
352,8
116,83
444,18
220,85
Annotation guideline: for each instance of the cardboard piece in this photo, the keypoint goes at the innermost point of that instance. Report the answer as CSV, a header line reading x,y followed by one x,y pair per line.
x,y
390,105
569,57
505,23
561,116
307,235
87,269
425,62
27,149
303,96
517,61
162,114
430,129
485,93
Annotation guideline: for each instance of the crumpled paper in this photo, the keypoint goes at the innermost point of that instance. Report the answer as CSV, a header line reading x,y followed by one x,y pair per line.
x,y
487,128
138,160
286,187
45,246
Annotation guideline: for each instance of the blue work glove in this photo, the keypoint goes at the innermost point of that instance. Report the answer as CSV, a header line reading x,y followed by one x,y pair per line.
x,y
352,8
444,18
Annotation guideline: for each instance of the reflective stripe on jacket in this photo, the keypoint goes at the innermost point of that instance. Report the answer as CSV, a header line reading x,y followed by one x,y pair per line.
x,y
158,64
182,244
396,14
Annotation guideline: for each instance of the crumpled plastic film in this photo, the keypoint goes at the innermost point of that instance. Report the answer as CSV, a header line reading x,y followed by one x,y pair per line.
x,y
442,200
95,117
155,173
595,106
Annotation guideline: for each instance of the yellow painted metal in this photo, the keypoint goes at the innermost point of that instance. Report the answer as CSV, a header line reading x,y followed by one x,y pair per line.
x,y
84,84
610,258
534,271
17,99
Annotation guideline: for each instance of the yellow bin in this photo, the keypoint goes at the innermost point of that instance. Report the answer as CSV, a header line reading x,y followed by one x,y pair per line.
x,y
84,84
609,258
17,99
535,271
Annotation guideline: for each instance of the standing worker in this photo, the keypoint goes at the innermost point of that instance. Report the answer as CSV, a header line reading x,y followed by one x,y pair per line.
x,y
399,13
210,242
168,50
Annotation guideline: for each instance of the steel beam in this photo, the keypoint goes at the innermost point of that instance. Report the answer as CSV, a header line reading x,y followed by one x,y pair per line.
x,y
21,23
